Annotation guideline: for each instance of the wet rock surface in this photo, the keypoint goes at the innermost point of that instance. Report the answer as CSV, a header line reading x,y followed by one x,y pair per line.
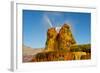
x,y
60,46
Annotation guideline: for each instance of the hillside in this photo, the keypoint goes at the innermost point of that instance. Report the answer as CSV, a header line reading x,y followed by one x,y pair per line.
x,y
29,52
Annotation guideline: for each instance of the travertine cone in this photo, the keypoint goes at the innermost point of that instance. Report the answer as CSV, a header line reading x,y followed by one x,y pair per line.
x,y
65,38
51,43
62,40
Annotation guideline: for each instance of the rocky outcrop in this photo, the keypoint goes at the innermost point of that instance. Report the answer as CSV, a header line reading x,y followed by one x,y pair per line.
x,y
60,46
61,40
51,43
65,38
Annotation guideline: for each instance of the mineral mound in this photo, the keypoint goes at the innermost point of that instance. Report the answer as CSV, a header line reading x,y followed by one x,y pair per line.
x,y
51,43
61,45
61,40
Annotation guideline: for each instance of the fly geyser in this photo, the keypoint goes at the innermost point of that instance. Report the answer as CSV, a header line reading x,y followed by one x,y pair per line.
x,y
51,42
61,46
61,40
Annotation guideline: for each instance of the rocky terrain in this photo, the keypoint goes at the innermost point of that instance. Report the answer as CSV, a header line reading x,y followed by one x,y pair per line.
x,y
61,40
60,46
28,53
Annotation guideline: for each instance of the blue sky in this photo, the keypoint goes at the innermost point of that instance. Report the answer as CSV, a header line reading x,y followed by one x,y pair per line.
x,y
36,24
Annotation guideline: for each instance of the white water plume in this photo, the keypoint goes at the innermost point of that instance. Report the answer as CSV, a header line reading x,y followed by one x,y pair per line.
x,y
48,21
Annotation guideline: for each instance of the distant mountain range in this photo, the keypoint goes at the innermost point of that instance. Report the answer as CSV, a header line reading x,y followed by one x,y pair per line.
x,y
30,51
